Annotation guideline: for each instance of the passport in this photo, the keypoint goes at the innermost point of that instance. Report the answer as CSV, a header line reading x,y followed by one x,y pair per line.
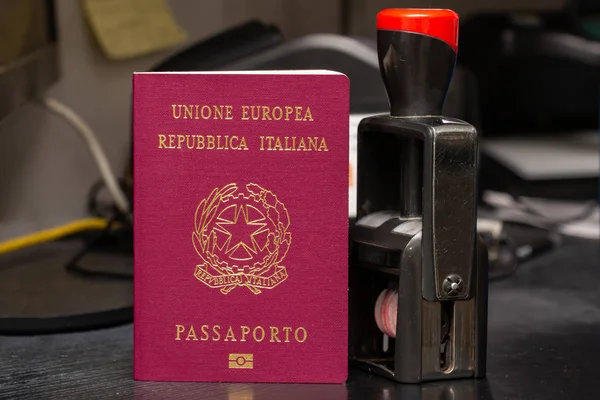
x,y
241,226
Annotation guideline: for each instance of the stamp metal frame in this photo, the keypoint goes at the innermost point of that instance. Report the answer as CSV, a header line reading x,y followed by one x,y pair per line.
x,y
416,223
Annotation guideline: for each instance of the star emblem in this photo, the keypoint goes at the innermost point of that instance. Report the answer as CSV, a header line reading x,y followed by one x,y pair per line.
x,y
241,232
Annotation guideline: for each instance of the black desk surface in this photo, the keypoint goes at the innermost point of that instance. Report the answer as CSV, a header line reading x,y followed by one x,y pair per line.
x,y
544,343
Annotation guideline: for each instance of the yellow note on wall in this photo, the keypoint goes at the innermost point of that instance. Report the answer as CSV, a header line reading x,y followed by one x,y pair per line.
x,y
131,28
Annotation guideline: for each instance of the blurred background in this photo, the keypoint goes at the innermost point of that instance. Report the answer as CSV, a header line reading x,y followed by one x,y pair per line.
x,y
527,76
45,170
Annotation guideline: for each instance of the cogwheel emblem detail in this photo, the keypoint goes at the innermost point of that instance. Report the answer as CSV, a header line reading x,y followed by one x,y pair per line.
x,y
241,238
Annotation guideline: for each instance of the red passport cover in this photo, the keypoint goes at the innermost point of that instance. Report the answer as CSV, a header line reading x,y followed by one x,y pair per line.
x,y
240,223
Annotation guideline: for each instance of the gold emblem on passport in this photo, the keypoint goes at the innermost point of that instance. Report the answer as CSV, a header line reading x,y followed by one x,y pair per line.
x,y
241,361
241,237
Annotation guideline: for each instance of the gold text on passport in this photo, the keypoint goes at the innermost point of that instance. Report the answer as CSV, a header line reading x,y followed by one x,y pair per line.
x,y
244,113
293,143
202,142
234,142
243,333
